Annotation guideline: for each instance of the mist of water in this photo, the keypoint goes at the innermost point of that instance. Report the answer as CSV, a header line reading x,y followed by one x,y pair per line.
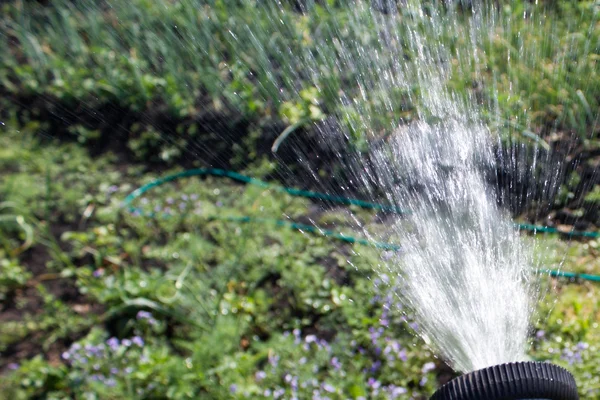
x,y
464,270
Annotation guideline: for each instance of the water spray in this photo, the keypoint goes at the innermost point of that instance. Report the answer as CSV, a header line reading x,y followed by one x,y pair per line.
x,y
512,381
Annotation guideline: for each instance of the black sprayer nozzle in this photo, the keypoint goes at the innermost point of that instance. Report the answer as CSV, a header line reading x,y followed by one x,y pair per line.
x,y
512,381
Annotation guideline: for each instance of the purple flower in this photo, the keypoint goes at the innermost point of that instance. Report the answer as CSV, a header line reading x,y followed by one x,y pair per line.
x,y
540,334
110,382
182,206
233,388
294,383
273,360
98,273
376,365
114,370
112,189
402,355
143,315
138,341
328,388
430,366
170,200
113,343
219,204
13,366
126,342
194,197
184,197
128,370
372,382
66,355
582,346
260,375
337,365
423,381
92,351
397,391
157,208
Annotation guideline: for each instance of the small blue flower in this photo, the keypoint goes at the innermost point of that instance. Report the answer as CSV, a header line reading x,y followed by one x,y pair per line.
x,y
113,343
328,388
337,365
540,334
260,375
582,345
397,391
273,360
143,315
138,341
233,388
427,367
372,382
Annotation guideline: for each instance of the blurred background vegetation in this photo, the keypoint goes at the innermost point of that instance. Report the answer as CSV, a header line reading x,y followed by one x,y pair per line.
x,y
167,301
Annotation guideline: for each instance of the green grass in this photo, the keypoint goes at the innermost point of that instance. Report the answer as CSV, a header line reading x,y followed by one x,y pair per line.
x,y
538,75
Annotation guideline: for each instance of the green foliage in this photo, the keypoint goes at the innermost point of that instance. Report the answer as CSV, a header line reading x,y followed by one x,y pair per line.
x,y
12,276
178,298
537,74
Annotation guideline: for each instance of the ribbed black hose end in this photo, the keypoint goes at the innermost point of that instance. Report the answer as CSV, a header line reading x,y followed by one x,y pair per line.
x,y
512,381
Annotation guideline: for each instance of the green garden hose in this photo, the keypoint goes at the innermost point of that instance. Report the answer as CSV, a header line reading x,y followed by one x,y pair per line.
x,y
339,200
